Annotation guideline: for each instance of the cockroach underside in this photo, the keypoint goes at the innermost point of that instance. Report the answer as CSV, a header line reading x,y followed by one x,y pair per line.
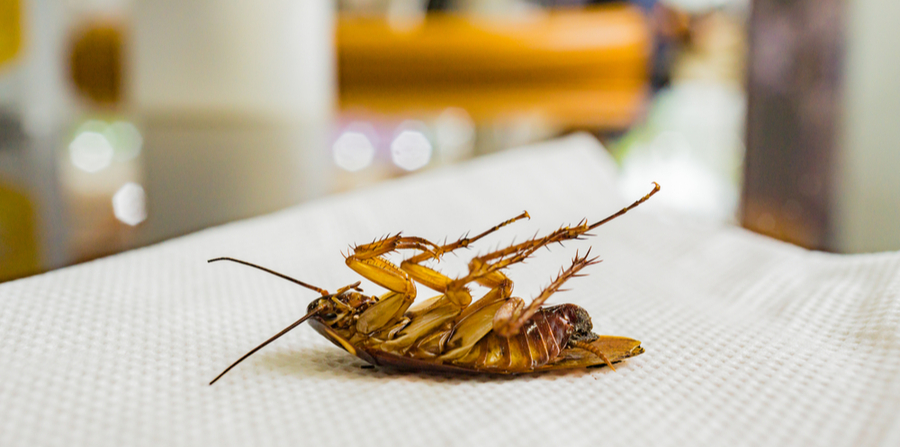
x,y
497,333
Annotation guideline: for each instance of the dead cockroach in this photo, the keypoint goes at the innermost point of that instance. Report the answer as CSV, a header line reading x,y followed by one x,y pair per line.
x,y
497,333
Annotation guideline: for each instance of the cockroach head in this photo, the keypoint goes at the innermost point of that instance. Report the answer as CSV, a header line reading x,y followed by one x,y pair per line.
x,y
345,303
325,307
582,325
322,304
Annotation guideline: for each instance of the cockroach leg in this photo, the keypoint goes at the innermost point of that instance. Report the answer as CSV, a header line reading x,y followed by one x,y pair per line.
x,y
399,327
384,273
393,243
466,241
562,234
509,324
455,290
354,286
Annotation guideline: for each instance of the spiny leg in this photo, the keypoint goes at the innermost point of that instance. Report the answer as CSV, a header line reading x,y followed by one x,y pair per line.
x,y
510,318
475,320
465,323
480,318
622,211
488,273
441,283
566,233
392,243
354,286
452,309
455,294
368,261
465,241
512,315
391,306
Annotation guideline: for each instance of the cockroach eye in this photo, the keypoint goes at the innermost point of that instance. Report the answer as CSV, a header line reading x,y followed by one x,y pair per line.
x,y
315,303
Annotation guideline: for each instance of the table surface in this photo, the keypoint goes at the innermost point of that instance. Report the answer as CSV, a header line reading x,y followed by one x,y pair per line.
x,y
748,341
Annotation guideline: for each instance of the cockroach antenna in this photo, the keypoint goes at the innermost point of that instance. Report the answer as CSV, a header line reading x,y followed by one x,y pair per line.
x,y
594,350
321,291
274,337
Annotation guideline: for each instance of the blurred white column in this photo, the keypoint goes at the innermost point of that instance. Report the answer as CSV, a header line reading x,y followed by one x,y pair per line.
x,y
868,193
42,100
235,100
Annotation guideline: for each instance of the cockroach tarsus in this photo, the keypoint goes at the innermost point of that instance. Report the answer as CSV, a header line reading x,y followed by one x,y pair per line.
x,y
498,333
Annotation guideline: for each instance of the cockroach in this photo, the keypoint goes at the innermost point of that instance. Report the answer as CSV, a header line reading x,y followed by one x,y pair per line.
x,y
496,334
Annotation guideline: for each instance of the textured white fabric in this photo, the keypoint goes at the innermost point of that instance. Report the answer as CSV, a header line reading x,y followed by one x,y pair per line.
x,y
748,341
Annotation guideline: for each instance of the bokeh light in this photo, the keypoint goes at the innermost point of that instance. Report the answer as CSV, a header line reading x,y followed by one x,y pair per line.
x,y
353,150
129,204
125,139
455,134
411,149
90,151
692,185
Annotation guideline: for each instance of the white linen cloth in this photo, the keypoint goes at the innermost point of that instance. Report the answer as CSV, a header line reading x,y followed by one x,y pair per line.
x,y
748,341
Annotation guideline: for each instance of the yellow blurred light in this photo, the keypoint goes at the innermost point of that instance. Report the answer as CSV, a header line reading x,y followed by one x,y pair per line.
x,y
10,29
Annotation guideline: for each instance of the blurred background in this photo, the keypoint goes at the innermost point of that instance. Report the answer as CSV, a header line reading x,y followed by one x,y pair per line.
x,y
128,122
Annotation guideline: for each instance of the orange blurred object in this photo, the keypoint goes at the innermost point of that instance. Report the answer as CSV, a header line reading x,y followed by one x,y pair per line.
x,y
576,68
95,62
19,253
10,29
